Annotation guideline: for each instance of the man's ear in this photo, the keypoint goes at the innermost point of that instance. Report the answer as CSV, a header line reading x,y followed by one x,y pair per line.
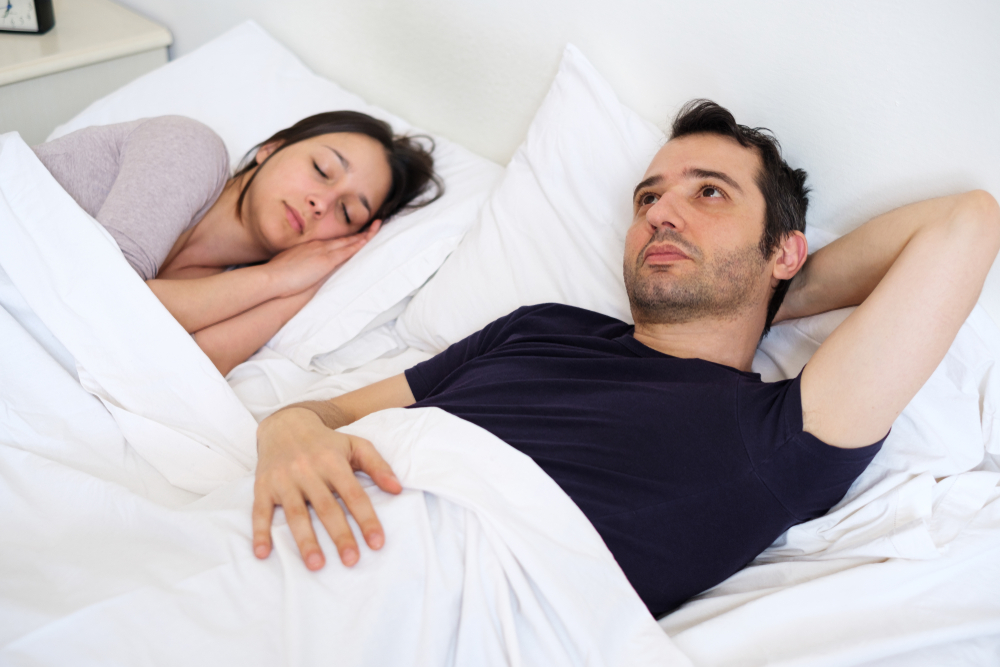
x,y
790,256
265,151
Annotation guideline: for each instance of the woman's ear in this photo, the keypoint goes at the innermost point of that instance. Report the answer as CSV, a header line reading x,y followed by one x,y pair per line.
x,y
790,256
266,151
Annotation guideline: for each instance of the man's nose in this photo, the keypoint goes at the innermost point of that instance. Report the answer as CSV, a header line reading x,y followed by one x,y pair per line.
x,y
665,213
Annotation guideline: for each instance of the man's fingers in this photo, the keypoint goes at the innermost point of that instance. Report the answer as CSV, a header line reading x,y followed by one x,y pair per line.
x,y
332,517
263,514
299,522
310,475
365,457
358,504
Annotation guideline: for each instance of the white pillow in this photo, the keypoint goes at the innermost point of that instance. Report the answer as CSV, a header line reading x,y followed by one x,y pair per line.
x,y
246,86
554,230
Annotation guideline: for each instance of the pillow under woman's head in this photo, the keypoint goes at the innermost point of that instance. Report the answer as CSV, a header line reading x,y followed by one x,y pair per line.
x,y
246,86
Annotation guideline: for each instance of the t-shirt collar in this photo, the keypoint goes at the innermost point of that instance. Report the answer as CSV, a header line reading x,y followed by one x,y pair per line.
x,y
628,341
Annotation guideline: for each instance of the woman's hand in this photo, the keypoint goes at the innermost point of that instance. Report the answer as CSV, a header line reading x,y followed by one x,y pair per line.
x,y
229,342
300,267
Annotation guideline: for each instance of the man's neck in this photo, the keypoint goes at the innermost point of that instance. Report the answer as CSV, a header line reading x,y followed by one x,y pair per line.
x,y
730,342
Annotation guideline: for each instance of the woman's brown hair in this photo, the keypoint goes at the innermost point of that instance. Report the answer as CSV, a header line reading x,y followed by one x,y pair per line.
x,y
410,160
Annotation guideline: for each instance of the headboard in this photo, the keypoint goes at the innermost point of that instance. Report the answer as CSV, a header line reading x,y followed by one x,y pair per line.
x,y
881,101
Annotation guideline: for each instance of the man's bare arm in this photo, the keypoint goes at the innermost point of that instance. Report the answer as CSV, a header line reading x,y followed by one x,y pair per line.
x,y
846,272
302,461
348,408
917,272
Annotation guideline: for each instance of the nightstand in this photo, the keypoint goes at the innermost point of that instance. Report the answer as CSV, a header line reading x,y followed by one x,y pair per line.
x,y
95,48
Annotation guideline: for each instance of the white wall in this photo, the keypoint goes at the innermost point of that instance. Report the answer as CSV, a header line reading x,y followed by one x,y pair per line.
x,y
882,101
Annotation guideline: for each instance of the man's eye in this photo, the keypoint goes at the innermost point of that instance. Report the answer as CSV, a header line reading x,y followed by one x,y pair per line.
x,y
712,191
648,199
321,173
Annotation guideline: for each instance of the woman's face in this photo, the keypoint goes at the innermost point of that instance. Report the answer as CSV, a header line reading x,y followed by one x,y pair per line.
x,y
317,189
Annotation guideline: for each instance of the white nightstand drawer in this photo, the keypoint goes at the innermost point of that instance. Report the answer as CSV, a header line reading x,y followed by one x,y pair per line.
x,y
95,47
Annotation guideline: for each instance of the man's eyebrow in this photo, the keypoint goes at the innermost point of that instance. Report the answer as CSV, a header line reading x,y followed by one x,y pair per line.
x,y
347,167
706,173
652,180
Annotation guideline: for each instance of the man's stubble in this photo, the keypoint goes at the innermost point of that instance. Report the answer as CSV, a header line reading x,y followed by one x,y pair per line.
x,y
721,289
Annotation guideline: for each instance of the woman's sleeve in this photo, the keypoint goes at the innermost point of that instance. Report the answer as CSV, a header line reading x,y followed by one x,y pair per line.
x,y
171,171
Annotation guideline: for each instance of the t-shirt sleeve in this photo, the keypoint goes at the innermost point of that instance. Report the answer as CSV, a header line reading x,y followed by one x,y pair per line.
x,y
427,375
171,170
806,475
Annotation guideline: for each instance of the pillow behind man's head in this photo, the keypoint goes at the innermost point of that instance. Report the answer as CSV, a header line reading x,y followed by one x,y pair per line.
x,y
554,230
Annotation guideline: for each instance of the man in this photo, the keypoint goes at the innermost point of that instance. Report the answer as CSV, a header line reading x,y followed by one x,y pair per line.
x,y
685,462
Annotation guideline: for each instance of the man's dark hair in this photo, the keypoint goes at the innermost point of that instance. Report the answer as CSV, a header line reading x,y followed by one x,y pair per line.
x,y
784,189
410,161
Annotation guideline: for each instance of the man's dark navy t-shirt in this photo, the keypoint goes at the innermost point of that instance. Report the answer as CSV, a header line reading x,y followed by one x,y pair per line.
x,y
688,469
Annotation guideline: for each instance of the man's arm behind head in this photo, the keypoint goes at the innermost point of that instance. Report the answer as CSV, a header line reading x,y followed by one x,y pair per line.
x,y
917,272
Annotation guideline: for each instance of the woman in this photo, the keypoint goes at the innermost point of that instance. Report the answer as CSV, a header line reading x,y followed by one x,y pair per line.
x,y
307,199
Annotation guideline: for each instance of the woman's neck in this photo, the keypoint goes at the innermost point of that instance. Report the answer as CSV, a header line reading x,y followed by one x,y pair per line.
x,y
220,238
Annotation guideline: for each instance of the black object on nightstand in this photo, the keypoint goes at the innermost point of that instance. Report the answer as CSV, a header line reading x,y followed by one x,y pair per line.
x,y
32,17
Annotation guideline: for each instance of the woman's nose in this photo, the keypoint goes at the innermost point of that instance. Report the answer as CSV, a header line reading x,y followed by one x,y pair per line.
x,y
325,199
319,204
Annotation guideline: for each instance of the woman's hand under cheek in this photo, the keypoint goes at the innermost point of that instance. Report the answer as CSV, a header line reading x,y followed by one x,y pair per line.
x,y
307,264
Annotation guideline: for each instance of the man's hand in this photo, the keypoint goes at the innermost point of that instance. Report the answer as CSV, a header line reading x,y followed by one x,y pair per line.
x,y
302,462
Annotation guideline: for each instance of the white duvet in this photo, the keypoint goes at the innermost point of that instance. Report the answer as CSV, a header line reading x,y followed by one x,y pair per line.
x,y
126,486
125,521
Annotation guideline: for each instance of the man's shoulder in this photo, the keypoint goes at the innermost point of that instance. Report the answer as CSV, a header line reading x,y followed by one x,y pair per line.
x,y
777,402
770,415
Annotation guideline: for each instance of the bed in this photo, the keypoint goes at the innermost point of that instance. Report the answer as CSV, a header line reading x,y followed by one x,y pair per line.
x,y
126,460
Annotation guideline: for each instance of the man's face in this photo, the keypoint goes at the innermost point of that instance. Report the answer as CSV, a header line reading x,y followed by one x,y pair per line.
x,y
692,250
